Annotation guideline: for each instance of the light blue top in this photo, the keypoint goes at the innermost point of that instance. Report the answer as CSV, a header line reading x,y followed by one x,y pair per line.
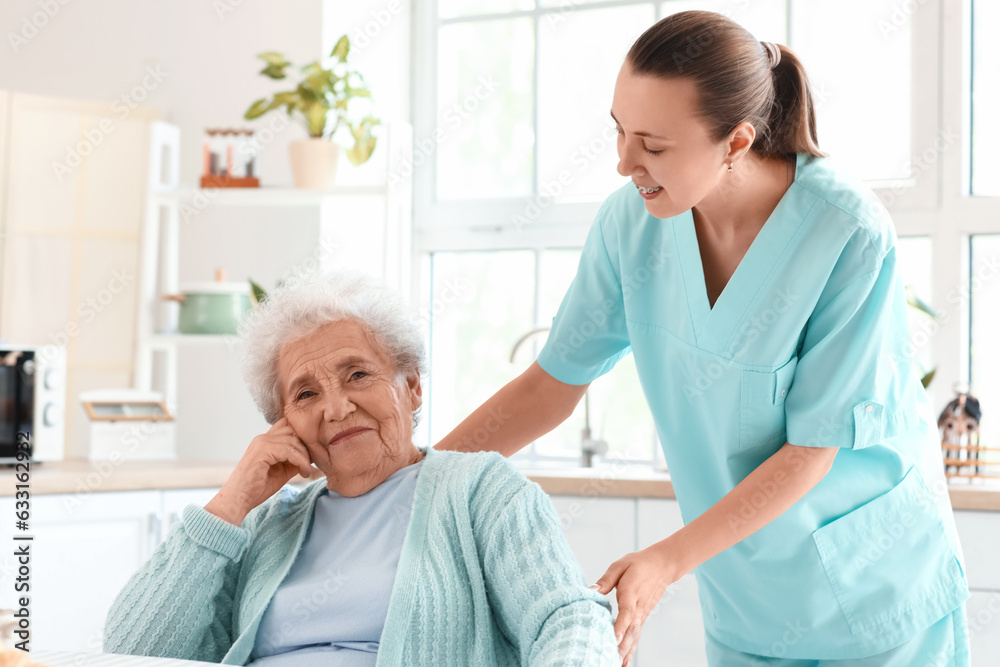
x,y
808,343
485,578
330,609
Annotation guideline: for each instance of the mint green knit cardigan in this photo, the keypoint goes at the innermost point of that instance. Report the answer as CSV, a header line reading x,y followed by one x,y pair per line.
x,y
485,578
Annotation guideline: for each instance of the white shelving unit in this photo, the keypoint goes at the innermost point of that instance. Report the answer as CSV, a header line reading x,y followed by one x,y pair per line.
x,y
168,200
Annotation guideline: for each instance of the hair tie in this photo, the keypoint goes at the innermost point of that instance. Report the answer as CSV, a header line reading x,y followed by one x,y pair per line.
x,y
772,52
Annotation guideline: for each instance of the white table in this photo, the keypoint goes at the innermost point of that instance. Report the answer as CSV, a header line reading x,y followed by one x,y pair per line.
x,y
80,659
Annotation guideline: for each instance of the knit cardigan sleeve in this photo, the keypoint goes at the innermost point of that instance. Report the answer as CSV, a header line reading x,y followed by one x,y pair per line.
x,y
536,586
180,603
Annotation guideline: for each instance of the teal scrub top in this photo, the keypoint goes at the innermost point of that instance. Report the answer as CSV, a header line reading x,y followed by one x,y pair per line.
x,y
808,343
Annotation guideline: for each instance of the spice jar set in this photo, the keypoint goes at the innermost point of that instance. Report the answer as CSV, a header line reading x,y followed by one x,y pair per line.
x,y
229,159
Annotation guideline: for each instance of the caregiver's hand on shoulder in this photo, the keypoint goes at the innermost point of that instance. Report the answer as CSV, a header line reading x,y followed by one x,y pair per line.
x,y
269,462
641,579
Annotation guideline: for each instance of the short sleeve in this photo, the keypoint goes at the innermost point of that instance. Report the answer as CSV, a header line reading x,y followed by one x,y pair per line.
x,y
588,334
851,384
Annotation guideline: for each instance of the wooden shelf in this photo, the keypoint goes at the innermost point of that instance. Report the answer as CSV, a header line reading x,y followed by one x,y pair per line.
x,y
971,475
969,448
964,463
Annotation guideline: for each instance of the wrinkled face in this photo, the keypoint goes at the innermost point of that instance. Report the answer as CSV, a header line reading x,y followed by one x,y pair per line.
x,y
663,142
346,401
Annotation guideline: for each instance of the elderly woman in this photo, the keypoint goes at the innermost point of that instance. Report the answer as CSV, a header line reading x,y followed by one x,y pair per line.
x,y
399,556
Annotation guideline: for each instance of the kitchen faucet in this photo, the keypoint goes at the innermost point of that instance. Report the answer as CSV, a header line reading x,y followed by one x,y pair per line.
x,y
588,445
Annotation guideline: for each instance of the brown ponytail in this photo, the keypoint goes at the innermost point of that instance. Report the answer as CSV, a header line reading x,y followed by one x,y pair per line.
x,y
735,80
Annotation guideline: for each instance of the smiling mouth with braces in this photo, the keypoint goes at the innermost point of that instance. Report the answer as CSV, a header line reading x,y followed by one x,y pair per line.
x,y
649,191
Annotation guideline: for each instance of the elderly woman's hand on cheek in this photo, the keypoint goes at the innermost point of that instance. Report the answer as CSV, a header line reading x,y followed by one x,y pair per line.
x,y
271,460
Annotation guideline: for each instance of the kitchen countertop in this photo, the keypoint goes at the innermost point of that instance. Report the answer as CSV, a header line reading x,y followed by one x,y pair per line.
x,y
75,476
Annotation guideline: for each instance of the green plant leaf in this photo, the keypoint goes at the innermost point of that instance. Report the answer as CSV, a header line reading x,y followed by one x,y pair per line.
x,y
315,115
273,72
341,50
259,293
257,109
262,106
317,77
926,380
311,68
273,58
290,97
364,141
320,83
307,94
916,302
275,64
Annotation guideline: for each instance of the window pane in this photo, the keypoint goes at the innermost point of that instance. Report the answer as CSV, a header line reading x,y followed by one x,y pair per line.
x,y
619,413
484,132
858,59
579,59
557,269
985,353
482,303
764,18
914,254
985,97
452,8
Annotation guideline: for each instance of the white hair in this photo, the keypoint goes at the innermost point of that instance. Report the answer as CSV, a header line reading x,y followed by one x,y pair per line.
x,y
304,304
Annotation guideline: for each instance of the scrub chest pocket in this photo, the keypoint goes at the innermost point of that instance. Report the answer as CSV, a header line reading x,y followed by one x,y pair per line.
x,y
762,405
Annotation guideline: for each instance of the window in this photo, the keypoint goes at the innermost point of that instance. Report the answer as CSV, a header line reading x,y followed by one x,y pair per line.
x,y
517,152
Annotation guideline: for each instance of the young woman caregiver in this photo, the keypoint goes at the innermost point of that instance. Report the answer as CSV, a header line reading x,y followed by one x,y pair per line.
x,y
759,290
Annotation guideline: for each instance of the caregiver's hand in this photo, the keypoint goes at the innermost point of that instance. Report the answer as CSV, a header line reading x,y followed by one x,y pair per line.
x,y
269,462
641,579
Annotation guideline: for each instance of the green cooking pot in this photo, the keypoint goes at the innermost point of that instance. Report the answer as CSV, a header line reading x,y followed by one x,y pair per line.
x,y
212,308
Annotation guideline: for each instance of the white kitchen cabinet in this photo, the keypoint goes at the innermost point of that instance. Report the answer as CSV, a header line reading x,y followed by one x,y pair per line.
x,y
984,627
673,634
602,530
84,550
979,533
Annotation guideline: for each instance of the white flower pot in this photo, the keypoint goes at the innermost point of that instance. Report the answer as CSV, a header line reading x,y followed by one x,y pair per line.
x,y
314,163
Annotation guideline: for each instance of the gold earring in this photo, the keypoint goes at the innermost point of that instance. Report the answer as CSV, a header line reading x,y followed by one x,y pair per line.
x,y
730,170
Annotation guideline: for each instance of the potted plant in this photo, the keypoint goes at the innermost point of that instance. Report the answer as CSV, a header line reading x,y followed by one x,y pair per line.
x,y
321,98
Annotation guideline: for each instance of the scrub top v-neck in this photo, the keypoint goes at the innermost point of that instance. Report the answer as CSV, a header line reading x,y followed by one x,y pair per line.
x,y
747,279
808,343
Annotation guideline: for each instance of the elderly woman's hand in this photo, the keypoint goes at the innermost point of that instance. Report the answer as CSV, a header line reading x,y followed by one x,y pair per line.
x,y
270,461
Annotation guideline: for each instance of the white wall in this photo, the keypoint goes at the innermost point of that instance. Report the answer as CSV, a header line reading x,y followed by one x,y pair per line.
x,y
204,51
